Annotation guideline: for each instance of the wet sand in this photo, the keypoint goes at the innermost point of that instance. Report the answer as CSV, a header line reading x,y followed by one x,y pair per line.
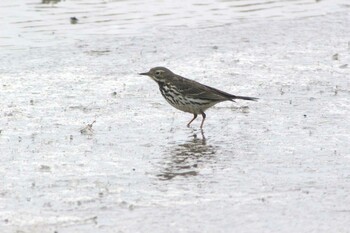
x,y
87,145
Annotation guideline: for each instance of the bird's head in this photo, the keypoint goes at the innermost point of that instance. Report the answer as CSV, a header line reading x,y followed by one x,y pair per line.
x,y
159,74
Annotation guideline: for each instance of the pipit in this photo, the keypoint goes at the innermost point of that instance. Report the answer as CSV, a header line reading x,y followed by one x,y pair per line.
x,y
188,95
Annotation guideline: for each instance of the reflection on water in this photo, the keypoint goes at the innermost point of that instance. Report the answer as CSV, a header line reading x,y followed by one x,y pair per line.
x,y
50,1
40,23
187,158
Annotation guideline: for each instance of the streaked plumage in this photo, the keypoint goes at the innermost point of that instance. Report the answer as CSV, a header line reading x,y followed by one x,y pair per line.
x,y
188,95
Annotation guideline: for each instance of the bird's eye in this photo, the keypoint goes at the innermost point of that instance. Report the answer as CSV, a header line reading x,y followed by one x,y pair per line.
x,y
157,72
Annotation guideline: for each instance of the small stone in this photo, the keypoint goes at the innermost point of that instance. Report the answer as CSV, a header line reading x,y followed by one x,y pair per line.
x,y
45,168
73,20
335,56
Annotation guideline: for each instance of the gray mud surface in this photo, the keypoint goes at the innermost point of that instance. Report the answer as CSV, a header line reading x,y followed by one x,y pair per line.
x,y
87,145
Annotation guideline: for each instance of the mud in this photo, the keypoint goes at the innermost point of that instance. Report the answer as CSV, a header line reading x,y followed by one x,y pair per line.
x,y
87,145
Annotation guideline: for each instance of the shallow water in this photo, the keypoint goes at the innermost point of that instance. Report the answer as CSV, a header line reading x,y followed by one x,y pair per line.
x,y
278,165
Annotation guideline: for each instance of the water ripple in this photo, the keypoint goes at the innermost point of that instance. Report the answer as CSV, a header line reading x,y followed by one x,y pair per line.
x,y
34,17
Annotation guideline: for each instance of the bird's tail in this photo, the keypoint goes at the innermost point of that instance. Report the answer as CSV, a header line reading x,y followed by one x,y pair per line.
x,y
245,98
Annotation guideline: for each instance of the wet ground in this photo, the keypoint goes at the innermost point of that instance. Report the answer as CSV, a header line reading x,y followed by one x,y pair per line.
x,y
87,145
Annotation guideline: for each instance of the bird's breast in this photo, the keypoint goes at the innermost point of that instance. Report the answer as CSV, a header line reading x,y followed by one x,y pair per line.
x,y
184,102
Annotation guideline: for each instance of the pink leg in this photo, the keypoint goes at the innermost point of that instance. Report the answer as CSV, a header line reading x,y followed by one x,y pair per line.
x,y
203,115
194,117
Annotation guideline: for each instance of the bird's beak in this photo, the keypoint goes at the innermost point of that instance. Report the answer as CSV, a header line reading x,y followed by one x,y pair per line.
x,y
144,73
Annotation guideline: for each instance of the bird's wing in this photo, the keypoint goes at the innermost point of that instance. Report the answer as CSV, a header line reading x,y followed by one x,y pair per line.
x,y
194,89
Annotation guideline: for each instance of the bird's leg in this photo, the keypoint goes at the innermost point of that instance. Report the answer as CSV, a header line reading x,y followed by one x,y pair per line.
x,y
203,115
194,117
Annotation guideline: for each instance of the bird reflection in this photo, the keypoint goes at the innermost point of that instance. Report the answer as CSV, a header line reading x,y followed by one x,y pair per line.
x,y
186,159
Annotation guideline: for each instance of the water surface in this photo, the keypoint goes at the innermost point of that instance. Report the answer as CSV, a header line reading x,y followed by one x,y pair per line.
x,y
87,145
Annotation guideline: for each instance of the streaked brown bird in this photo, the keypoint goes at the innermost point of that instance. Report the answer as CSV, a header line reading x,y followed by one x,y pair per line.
x,y
188,95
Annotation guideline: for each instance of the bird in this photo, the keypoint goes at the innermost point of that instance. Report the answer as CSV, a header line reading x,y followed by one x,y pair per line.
x,y
188,95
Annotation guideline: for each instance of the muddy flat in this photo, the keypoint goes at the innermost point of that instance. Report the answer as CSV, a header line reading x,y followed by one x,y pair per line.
x,y
88,145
